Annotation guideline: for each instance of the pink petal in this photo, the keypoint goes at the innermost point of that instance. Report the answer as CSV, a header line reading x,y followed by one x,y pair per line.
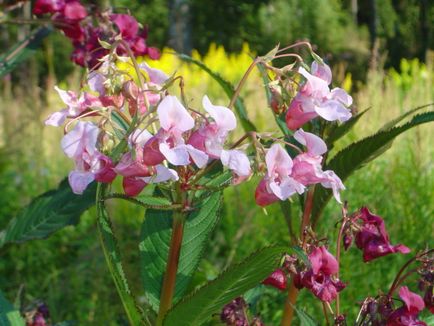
x,y
297,115
163,174
74,10
286,188
237,161
332,110
156,76
413,301
79,181
199,158
139,137
82,138
133,186
96,82
322,260
57,119
340,95
333,182
314,87
177,155
315,145
173,115
68,97
127,25
322,71
262,196
223,117
278,160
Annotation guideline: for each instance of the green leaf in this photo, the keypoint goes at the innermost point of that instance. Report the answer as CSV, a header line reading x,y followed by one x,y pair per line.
x,y
9,316
356,155
22,50
228,89
394,122
198,307
154,246
113,259
48,213
343,128
305,319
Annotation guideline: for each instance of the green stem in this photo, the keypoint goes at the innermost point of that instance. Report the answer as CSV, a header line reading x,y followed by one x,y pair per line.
x,y
169,280
113,259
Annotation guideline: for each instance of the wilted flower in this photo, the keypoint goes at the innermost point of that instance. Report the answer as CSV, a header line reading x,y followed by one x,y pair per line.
x,y
373,238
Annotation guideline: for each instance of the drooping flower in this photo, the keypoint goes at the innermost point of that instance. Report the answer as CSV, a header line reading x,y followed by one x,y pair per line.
x,y
407,315
320,279
80,145
316,99
373,238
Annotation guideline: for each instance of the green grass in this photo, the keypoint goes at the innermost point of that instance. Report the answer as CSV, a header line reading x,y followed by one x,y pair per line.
x,y
68,271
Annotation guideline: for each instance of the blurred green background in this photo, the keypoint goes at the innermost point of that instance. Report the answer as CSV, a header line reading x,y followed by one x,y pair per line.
x,y
380,51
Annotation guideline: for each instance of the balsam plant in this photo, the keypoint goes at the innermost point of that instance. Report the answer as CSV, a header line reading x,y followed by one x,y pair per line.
x,y
175,160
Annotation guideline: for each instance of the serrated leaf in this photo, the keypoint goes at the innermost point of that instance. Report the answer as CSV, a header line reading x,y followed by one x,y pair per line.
x,y
153,201
48,213
114,262
397,120
356,155
198,307
341,130
9,315
22,50
154,246
229,89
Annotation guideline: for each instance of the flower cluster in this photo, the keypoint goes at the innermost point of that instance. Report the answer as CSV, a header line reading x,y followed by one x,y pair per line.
x,y
177,146
73,19
286,176
235,314
316,99
321,278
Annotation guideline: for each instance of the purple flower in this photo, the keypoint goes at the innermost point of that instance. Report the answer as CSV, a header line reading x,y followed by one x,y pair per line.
x,y
373,238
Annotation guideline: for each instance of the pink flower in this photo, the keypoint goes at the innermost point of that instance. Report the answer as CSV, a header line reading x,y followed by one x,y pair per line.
x,y
174,121
238,162
373,238
319,279
407,314
126,24
74,11
307,167
156,76
75,106
80,145
278,182
315,99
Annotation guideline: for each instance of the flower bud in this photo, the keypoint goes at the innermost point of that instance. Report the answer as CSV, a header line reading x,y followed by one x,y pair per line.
x,y
277,279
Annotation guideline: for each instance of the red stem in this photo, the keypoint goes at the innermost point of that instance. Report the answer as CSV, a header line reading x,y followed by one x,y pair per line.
x,y
168,288
288,312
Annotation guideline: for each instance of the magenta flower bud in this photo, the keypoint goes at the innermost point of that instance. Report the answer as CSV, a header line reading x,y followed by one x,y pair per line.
x,y
105,172
348,240
373,238
277,279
